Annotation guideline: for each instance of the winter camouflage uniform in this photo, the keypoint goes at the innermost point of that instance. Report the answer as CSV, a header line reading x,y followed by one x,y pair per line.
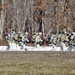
x,y
38,39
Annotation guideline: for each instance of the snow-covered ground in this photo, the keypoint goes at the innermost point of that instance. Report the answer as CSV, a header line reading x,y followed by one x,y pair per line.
x,y
16,47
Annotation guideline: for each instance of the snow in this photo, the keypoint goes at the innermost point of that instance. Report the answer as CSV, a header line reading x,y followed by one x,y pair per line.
x,y
16,47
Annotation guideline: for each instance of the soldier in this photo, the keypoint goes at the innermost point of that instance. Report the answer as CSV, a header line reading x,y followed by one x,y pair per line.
x,y
24,40
12,33
54,43
15,38
5,33
64,39
8,40
38,39
70,42
6,37
34,36
55,40
74,40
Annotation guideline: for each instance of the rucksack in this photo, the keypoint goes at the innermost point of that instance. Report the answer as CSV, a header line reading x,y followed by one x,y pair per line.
x,y
74,39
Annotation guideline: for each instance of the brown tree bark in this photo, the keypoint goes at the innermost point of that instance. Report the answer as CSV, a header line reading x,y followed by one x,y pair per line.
x,y
58,14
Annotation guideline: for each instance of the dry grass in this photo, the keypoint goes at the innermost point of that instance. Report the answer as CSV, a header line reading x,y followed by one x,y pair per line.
x,y
37,63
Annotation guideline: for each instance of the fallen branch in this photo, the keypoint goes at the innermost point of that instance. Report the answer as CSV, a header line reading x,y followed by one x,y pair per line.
x,y
48,33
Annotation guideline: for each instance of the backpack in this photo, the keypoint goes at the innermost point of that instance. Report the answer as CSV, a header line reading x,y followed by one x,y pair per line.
x,y
74,39
16,37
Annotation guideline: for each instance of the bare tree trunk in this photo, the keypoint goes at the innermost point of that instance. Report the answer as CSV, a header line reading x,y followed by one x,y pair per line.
x,y
2,17
65,16
23,11
15,14
57,14
57,17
